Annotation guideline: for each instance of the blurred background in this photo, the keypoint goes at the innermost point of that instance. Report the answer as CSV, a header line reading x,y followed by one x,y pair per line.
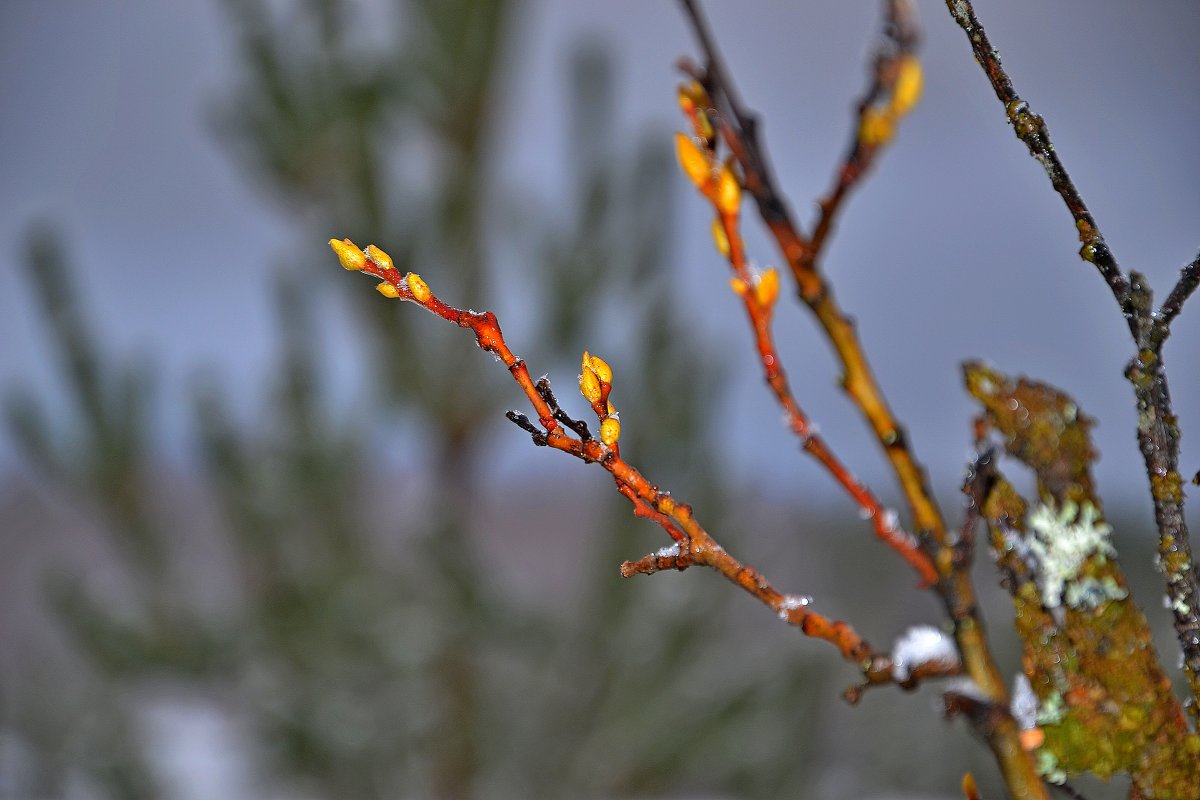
x,y
265,535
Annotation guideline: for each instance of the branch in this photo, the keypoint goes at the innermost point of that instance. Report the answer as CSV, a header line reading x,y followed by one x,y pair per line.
x,y
894,61
759,293
981,477
738,128
1031,129
1158,431
1189,279
693,544
999,728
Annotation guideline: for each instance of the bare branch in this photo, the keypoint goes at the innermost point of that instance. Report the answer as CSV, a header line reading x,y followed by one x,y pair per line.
x,y
1031,129
1189,279
1158,431
693,544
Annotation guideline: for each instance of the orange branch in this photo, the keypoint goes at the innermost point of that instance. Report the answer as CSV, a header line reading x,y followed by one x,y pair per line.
x,y
694,545
738,129
759,294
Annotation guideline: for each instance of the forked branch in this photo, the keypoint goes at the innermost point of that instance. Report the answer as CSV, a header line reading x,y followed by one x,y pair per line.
x,y
1158,431
555,429
738,128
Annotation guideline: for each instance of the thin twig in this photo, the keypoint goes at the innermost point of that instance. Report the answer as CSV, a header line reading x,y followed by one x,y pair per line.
x,y
1031,129
739,130
759,294
981,477
1189,279
900,39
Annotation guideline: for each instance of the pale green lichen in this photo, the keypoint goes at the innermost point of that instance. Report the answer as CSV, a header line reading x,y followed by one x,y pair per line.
x,y
1089,593
1052,710
1048,768
1061,543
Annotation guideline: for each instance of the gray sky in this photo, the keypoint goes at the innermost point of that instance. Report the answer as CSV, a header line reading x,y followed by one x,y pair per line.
x,y
956,248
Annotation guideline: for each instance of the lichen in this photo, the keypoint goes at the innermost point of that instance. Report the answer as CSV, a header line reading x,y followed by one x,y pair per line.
x,y
1061,542
1104,704
1048,768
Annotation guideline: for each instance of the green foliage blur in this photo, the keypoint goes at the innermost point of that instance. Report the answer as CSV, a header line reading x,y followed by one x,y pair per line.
x,y
365,649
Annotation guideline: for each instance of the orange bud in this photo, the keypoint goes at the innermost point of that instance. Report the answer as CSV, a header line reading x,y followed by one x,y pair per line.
x,y
876,127
909,82
729,191
418,287
970,790
380,258
692,92
387,290
348,254
739,286
599,366
696,165
610,431
766,291
589,385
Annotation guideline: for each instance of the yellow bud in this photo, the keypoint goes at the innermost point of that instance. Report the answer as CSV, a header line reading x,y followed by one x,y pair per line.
x,y
589,385
696,165
686,103
387,290
876,127
380,258
610,431
695,103
612,410
729,192
739,286
720,239
692,92
766,291
418,287
351,257
599,366
907,90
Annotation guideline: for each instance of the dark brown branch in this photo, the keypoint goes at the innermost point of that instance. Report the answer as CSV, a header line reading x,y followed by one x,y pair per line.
x,y
1031,129
882,675
1189,279
1158,432
522,422
981,477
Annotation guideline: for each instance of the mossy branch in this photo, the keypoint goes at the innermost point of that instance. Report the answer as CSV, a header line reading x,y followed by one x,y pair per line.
x,y
1157,429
